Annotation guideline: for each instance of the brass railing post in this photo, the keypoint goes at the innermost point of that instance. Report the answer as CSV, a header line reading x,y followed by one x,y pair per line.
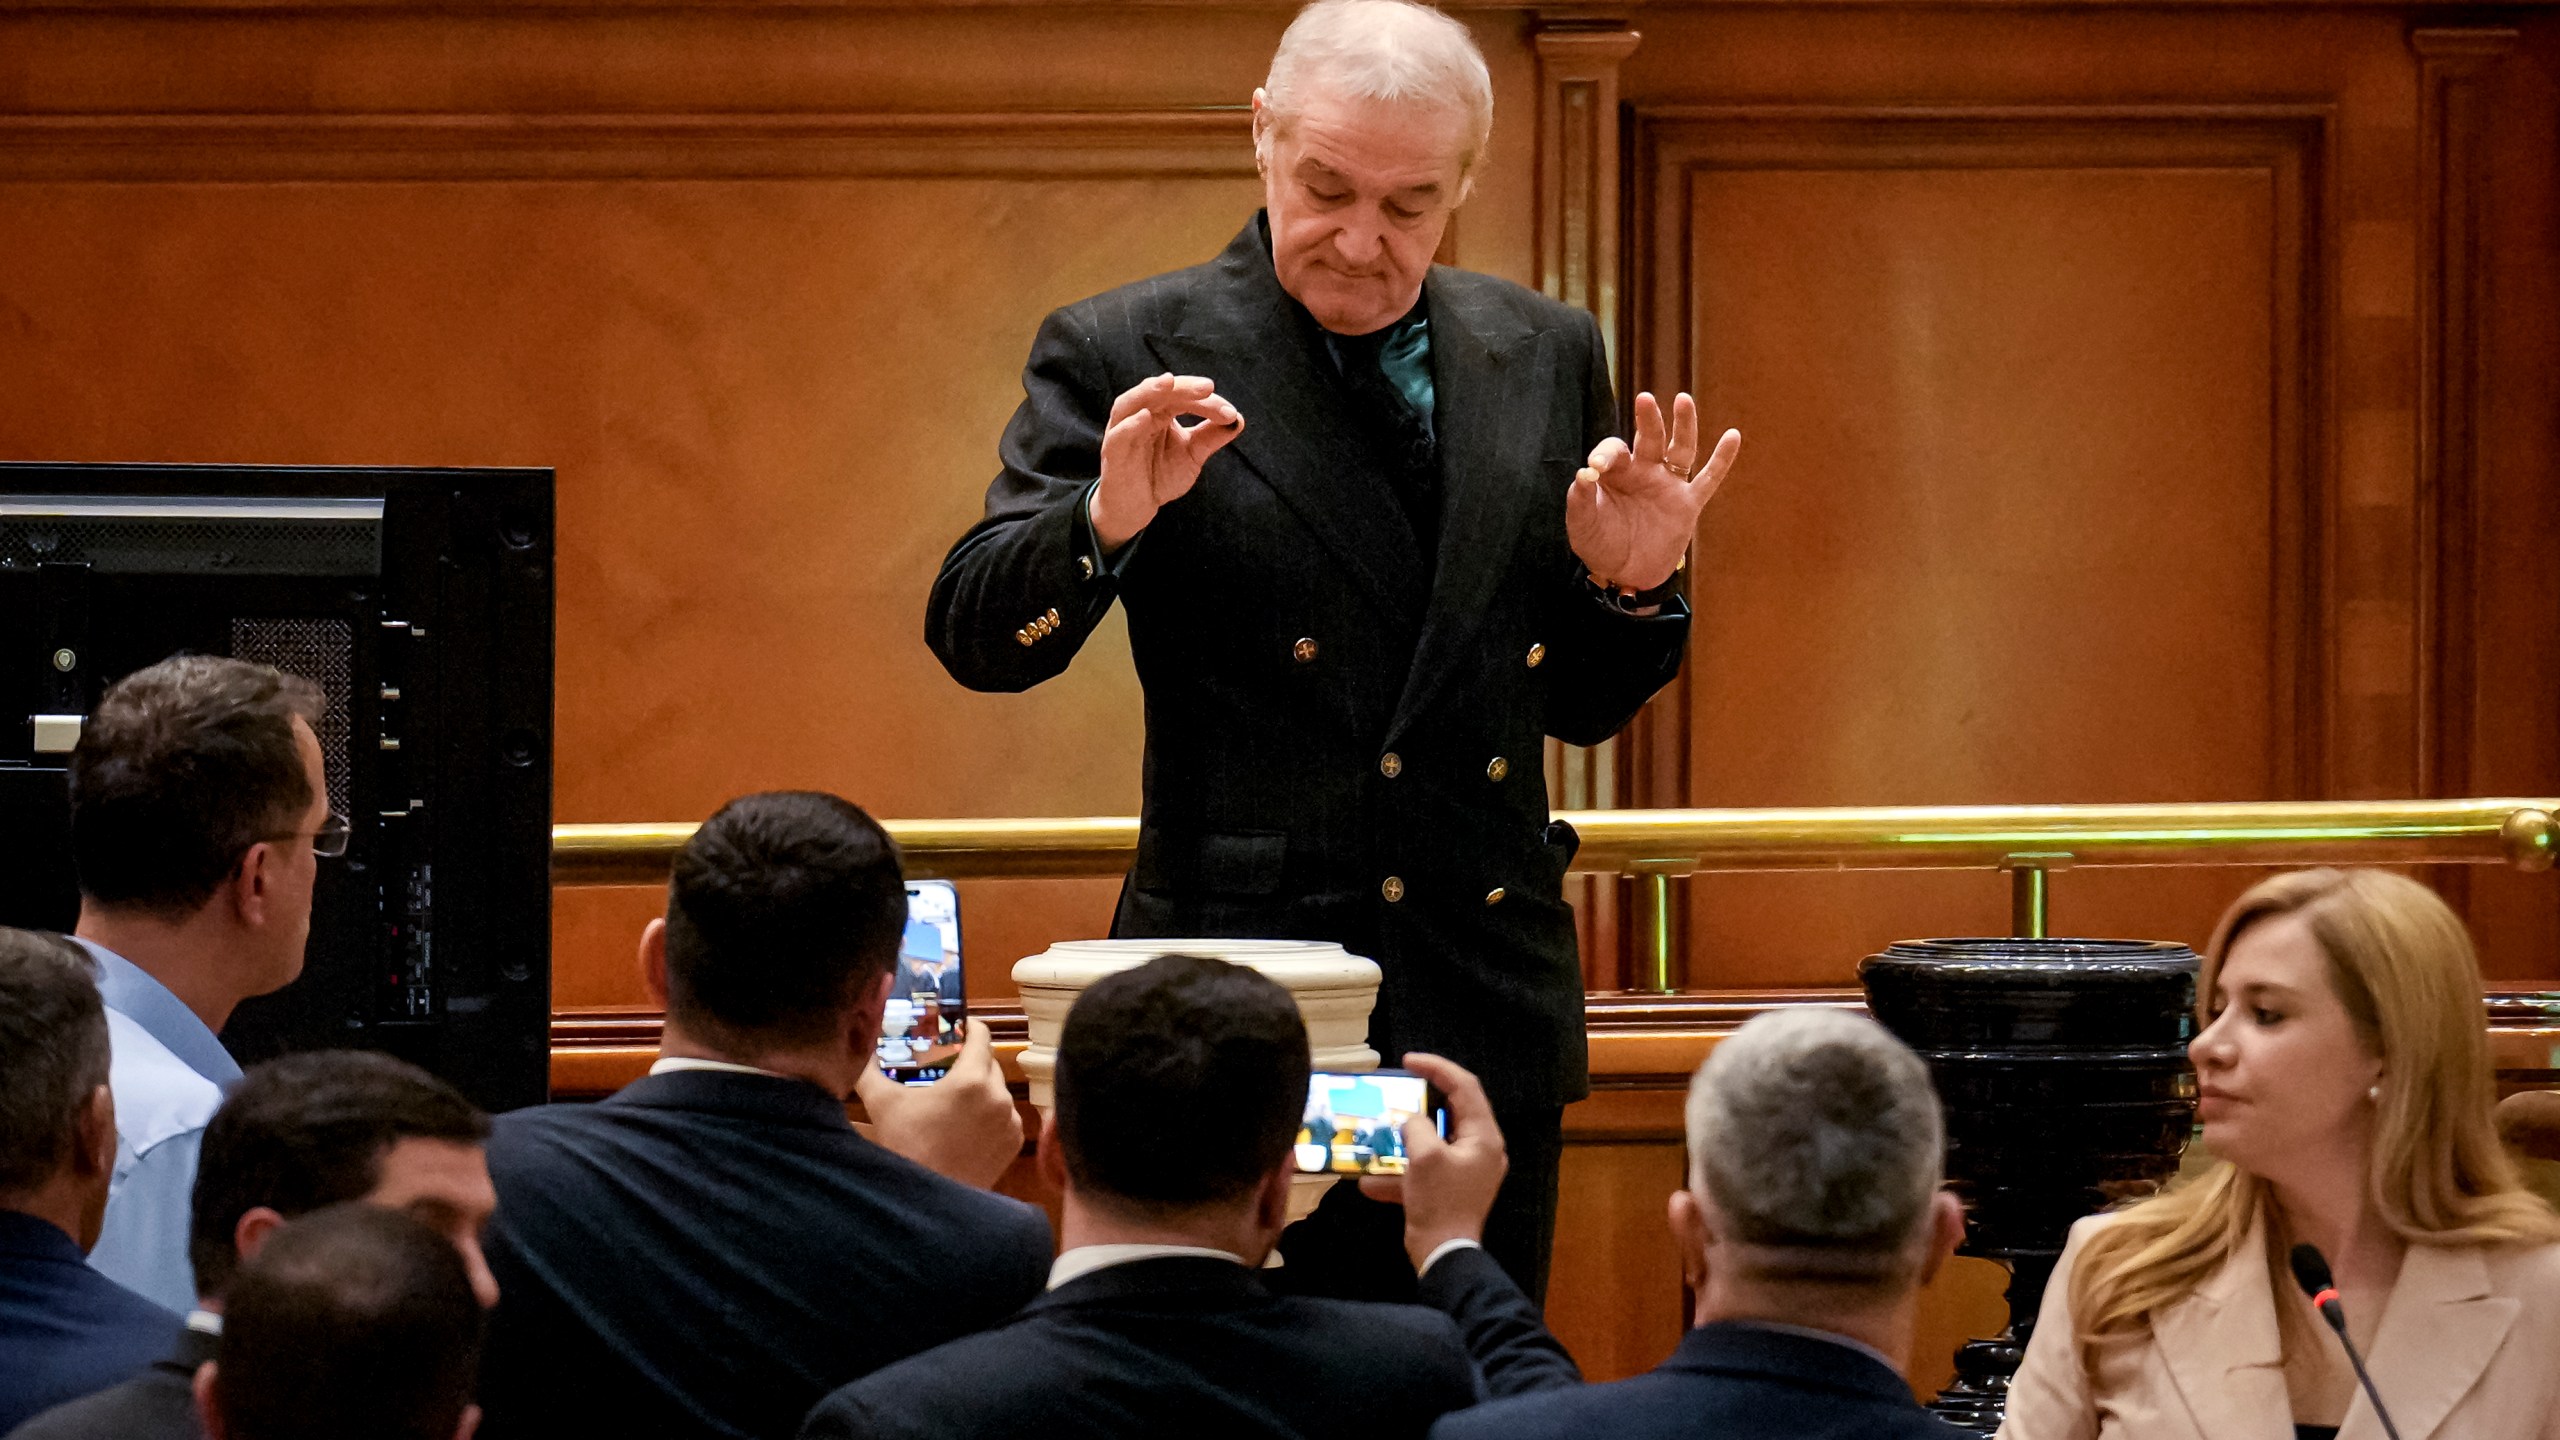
x,y
2031,892
2030,899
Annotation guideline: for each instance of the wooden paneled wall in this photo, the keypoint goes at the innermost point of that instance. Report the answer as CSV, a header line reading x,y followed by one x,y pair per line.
x,y
2142,402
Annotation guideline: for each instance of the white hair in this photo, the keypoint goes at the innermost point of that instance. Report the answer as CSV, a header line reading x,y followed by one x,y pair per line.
x,y
1817,1137
1390,50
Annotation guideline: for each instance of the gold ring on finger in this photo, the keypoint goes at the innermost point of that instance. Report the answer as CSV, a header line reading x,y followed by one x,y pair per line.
x,y
1689,472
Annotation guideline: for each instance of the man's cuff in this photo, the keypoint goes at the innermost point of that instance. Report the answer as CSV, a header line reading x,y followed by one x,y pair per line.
x,y
1091,562
1444,1249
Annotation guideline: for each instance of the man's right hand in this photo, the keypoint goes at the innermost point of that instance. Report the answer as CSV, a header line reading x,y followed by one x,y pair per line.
x,y
1448,1185
963,1126
1150,458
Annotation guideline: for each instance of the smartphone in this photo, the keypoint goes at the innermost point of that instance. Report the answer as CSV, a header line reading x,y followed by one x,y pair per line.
x,y
1355,1121
920,1025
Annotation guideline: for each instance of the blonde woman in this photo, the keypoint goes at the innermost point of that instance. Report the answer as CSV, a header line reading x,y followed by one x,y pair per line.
x,y
2344,1085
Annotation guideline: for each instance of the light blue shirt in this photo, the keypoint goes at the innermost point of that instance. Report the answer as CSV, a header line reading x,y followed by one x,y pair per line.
x,y
169,1074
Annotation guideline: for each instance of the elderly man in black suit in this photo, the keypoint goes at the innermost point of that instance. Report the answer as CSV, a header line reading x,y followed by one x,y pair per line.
x,y
1812,1217
1377,541
1180,1086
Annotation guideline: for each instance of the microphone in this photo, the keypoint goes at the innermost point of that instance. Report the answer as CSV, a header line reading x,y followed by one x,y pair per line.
x,y
2311,1272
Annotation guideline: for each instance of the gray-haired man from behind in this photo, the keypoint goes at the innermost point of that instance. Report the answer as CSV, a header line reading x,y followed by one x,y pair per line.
x,y
1812,1217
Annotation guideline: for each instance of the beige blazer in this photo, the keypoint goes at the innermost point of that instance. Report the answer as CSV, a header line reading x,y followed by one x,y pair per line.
x,y
2468,1349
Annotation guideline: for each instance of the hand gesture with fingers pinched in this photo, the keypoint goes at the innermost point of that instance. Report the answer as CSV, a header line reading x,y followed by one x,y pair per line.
x,y
1633,510
1151,456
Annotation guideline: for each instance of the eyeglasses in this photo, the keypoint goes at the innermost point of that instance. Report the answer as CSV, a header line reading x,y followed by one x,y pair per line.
x,y
328,842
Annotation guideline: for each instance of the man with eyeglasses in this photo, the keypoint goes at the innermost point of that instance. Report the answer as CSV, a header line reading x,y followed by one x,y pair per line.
x,y
199,816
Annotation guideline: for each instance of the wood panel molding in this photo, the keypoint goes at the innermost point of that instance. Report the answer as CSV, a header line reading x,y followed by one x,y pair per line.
x,y
1577,227
1677,150
1641,1045
1207,142
2452,117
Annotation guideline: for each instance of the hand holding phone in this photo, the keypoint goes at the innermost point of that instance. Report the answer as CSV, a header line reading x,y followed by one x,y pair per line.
x,y
963,1126
1449,1184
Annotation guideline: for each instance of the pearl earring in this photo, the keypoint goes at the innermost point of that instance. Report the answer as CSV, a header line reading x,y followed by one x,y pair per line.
x,y
2374,1094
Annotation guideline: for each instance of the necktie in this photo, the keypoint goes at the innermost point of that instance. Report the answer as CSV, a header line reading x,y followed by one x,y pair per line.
x,y
1388,375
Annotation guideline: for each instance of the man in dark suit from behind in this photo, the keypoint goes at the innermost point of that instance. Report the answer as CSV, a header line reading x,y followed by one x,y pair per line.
x,y
1812,1217
355,1321
714,1247
65,1329
299,1134
1180,1087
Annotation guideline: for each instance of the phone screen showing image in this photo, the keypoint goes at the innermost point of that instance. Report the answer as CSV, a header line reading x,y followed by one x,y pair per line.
x,y
920,1025
1355,1122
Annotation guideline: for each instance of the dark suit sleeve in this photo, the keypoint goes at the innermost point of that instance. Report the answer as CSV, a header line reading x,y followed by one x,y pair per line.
x,y
991,619
1607,663
845,1416
1513,1349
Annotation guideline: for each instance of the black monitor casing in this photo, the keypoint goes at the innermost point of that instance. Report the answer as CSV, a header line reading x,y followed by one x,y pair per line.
x,y
428,627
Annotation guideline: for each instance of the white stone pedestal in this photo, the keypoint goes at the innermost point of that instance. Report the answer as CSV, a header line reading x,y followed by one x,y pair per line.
x,y
1334,988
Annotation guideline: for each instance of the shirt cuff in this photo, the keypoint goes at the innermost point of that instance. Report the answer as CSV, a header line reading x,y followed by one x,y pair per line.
x,y
1443,1250
1092,561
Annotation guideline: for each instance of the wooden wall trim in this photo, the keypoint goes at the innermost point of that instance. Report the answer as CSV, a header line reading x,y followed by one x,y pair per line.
x,y
1639,1044
1043,145
624,7
1577,227
2451,122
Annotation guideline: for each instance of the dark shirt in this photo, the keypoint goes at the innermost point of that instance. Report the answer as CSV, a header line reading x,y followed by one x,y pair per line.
x,y
706,1253
65,1330
158,1404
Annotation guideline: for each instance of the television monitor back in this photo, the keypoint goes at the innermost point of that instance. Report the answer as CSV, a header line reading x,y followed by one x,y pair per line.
x,y
420,603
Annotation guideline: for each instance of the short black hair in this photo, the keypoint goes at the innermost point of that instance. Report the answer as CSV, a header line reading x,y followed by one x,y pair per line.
x,y
782,907
351,1321
53,1053
1179,1084
306,1131
184,766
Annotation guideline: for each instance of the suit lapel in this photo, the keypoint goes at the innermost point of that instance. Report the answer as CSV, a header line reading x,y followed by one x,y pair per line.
x,y
1251,340
1492,384
2222,1352
2438,1332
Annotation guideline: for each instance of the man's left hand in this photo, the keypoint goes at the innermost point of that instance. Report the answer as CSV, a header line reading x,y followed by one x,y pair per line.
x,y
1633,509
1448,1185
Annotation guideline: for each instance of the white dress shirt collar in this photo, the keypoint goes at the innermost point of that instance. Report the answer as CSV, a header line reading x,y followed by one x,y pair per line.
x,y
669,1064
1086,1259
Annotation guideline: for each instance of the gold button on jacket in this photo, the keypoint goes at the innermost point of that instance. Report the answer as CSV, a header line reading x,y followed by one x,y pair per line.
x,y
1393,888
1497,768
1391,765
1305,650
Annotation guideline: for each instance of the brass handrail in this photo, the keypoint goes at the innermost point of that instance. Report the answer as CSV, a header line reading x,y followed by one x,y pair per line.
x,y
2518,832
1657,846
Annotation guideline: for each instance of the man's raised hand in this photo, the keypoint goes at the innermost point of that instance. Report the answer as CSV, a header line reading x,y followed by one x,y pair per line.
x,y
1448,1185
1151,456
963,1126
1633,509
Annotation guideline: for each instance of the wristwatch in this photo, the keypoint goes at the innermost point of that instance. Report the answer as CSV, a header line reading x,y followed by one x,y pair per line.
x,y
1635,602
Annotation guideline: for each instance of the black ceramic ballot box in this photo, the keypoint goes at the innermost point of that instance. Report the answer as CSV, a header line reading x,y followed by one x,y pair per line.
x,y
2063,1068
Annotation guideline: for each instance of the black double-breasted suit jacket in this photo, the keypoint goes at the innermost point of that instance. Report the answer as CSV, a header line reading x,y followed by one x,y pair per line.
x,y
1344,735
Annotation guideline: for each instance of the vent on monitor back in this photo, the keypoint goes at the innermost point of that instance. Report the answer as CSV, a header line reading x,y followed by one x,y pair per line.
x,y
193,535
322,652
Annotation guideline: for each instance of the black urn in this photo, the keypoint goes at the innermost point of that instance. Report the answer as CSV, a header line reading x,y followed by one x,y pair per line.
x,y
2063,1068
